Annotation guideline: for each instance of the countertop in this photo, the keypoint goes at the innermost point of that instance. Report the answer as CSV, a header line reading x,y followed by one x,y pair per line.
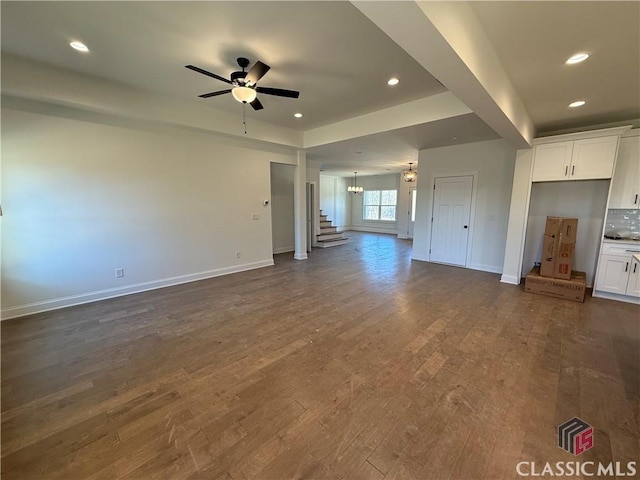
x,y
624,241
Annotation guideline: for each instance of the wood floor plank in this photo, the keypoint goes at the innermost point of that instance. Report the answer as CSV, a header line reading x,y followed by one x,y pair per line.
x,y
358,363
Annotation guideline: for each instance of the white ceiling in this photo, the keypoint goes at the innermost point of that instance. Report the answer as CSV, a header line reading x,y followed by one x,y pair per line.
x,y
340,61
534,39
392,151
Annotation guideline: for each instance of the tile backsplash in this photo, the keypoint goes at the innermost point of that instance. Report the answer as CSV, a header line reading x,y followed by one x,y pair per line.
x,y
623,222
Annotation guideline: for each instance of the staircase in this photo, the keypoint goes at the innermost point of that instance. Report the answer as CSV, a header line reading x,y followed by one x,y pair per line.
x,y
329,236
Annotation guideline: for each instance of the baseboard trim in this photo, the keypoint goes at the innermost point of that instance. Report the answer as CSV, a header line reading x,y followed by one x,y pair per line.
x,y
485,268
357,228
511,279
95,296
302,256
284,250
473,266
615,296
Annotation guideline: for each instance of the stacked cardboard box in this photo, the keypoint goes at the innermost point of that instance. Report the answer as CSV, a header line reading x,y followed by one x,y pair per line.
x,y
572,289
558,247
554,277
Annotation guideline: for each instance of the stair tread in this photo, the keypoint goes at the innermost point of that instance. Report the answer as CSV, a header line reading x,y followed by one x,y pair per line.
x,y
333,243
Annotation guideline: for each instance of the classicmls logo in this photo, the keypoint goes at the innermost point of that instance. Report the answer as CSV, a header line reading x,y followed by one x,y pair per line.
x,y
575,436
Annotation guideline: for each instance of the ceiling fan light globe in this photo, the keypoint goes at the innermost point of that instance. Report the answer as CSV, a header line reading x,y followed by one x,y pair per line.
x,y
244,94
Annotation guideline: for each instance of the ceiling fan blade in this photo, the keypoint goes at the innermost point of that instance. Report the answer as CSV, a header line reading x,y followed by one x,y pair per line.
x,y
204,72
214,94
256,104
280,92
257,72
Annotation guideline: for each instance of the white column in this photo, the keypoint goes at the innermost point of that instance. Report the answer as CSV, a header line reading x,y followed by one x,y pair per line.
x,y
300,206
518,213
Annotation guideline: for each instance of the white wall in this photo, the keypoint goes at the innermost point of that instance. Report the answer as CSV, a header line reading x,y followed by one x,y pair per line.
x,y
328,196
492,163
282,211
81,198
378,182
585,200
335,201
343,205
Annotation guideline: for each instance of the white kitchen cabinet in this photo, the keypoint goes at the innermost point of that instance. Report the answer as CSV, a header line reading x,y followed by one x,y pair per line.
x,y
613,274
551,161
593,158
584,159
619,270
625,185
633,285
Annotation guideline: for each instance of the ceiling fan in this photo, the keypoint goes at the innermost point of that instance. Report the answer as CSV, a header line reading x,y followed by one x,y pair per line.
x,y
244,88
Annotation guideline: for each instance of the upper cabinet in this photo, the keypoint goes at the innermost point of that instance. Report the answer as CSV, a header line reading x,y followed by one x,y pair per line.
x,y
582,159
551,161
625,186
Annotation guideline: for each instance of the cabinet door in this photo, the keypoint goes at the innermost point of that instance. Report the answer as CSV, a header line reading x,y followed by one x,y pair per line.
x,y
593,158
551,161
625,186
633,284
613,273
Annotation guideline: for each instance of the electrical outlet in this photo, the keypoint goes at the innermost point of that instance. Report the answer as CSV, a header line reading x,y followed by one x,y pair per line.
x,y
238,254
119,272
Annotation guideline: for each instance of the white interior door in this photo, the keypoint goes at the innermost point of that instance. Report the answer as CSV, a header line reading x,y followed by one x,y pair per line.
x,y
450,220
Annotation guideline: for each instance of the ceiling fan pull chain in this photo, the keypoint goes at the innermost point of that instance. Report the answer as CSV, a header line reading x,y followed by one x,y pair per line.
x,y
244,117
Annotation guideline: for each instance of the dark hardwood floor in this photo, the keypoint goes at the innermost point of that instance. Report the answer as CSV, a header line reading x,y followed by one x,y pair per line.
x,y
356,364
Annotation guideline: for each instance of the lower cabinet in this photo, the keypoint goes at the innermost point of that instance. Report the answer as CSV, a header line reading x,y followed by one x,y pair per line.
x,y
633,285
619,271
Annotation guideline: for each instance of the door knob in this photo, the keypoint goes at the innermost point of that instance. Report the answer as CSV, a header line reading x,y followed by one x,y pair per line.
x,y
466,226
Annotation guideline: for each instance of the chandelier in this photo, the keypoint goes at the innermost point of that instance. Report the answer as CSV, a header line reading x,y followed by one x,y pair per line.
x,y
354,189
410,175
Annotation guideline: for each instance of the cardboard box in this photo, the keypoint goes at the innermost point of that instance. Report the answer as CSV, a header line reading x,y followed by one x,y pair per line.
x,y
572,289
558,247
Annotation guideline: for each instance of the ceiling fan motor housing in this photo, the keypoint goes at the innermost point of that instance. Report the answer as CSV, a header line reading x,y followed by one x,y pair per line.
x,y
243,62
238,77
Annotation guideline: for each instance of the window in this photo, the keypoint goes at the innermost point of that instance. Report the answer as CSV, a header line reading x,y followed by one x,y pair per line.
x,y
380,205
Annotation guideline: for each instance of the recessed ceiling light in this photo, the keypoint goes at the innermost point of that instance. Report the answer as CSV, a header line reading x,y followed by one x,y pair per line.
x,y
81,47
577,58
454,138
297,115
578,103
393,81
